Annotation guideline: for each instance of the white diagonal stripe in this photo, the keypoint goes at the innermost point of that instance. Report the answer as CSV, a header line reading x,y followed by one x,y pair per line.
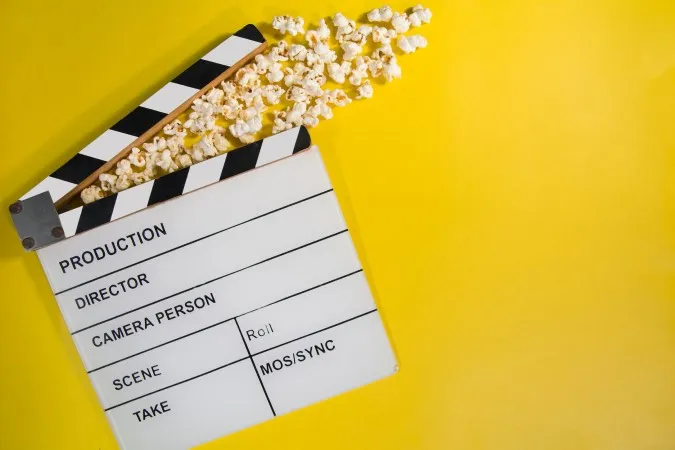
x,y
69,221
132,200
107,145
231,50
205,173
57,188
277,146
169,97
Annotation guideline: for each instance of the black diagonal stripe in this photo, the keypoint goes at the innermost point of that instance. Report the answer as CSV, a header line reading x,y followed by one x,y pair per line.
x,y
250,32
138,121
241,160
303,140
200,74
168,186
77,168
96,214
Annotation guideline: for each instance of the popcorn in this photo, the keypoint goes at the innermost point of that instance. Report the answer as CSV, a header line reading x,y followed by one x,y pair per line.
x,y
400,22
383,53
320,108
312,87
296,94
272,93
183,161
409,44
91,194
296,112
231,109
220,142
351,50
376,68
316,74
175,144
383,35
383,14
123,167
260,84
339,20
215,96
325,54
297,52
196,154
296,74
321,34
288,25
279,52
244,130
359,72
338,72
391,69
123,182
166,163
249,94
139,178
419,16
246,76
107,181
344,27
229,88
359,36
280,123
338,97
365,30
248,113
258,104
365,90
136,158
310,121
173,128
205,109
275,73
158,143
205,146
198,124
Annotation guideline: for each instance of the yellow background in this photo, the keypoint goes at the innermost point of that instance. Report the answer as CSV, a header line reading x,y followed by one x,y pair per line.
x,y
513,194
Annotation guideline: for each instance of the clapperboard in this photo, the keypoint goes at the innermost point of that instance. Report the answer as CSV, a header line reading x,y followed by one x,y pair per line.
x,y
215,297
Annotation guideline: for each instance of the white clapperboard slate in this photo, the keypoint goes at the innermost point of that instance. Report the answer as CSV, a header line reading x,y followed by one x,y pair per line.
x,y
212,298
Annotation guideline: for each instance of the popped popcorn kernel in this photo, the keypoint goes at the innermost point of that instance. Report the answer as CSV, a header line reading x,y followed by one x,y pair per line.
x,y
91,194
297,52
383,35
288,25
183,161
338,72
338,97
107,181
136,158
421,14
383,14
275,73
409,44
400,22
351,50
365,90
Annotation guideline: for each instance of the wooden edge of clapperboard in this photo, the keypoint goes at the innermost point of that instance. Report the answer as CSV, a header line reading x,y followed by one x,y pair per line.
x,y
63,201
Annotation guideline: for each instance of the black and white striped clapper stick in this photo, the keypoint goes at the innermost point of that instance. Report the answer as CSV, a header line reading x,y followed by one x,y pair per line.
x,y
185,180
149,113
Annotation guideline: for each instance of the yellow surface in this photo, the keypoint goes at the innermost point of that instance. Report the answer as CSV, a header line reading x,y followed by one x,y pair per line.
x,y
515,199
